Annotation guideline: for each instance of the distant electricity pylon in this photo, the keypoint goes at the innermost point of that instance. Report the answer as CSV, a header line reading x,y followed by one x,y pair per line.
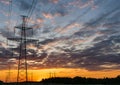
x,y
22,75
52,75
8,76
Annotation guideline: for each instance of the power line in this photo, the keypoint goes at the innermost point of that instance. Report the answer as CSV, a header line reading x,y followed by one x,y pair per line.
x,y
34,2
73,21
30,11
10,13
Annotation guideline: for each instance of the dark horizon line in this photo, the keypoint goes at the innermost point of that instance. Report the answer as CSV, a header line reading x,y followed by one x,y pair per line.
x,y
69,80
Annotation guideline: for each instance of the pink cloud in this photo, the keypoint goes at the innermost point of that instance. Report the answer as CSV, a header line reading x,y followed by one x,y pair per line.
x,y
68,28
40,20
81,4
54,1
6,2
47,15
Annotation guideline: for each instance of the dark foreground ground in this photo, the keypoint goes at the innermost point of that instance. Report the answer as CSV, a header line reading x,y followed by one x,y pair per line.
x,y
51,84
71,81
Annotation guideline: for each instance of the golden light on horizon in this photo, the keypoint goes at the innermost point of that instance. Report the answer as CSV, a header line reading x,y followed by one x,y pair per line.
x,y
38,75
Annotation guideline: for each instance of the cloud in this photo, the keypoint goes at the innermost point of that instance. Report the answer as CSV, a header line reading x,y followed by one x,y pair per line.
x,y
96,57
5,52
40,20
46,41
101,53
61,29
6,32
82,3
44,1
47,15
48,1
58,10
71,27
24,5
6,2
93,24
54,13
4,13
93,46
54,1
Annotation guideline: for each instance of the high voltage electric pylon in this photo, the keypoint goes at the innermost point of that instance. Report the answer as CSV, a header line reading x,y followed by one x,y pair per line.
x,y
22,64
22,75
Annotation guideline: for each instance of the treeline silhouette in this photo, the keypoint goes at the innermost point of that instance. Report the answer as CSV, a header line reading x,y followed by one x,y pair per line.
x,y
1,82
82,80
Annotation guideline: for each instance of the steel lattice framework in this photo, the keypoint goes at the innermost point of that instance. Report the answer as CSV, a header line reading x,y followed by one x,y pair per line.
x,y
22,75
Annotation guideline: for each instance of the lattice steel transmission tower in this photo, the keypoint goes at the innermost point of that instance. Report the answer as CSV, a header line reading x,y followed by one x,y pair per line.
x,y
22,63
22,75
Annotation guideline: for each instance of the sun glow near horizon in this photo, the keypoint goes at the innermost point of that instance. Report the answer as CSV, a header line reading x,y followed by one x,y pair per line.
x,y
38,75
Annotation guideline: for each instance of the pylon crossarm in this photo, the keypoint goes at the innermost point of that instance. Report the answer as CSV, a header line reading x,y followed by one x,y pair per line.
x,y
25,28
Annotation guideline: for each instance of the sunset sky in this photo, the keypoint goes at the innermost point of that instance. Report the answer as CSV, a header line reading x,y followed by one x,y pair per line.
x,y
75,37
